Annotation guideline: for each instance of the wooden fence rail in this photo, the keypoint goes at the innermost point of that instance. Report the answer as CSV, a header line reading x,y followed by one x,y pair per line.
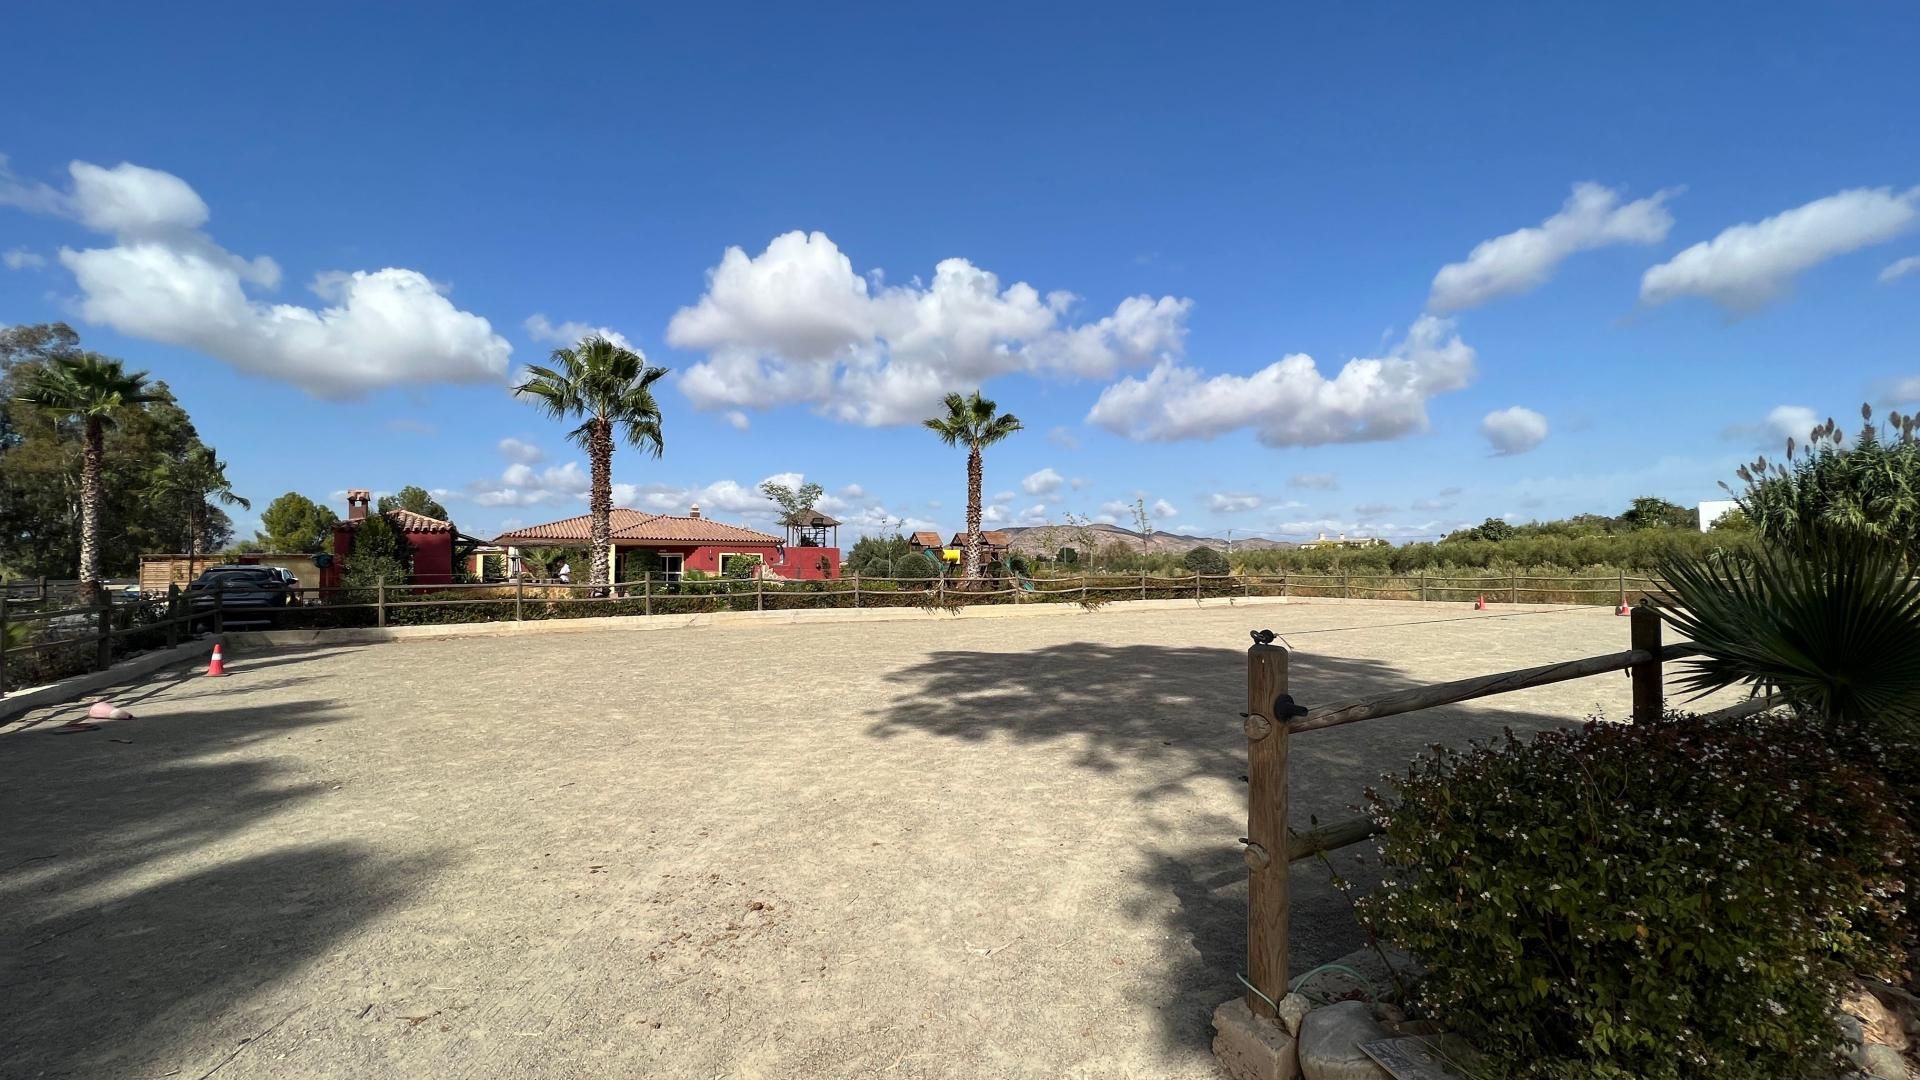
x,y
1272,718
101,633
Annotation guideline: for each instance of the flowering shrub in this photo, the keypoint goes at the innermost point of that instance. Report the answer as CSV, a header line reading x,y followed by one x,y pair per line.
x,y
1681,898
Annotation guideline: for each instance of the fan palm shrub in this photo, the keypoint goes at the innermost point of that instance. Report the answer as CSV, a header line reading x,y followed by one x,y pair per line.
x,y
1828,621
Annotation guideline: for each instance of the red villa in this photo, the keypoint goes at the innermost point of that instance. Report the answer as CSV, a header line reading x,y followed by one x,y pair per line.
x,y
430,540
679,544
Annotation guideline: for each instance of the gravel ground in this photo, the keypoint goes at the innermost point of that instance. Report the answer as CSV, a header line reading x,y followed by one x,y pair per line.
x,y
936,848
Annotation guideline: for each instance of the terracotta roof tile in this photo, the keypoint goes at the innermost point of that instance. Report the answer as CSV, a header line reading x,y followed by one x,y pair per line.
x,y
573,530
405,521
692,530
636,525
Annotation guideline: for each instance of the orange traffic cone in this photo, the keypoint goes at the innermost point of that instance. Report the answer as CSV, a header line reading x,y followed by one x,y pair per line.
x,y
1623,609
1480,603
216,668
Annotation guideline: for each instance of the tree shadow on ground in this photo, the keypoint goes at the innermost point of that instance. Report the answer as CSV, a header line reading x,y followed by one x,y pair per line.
x,y
108,971
1169,716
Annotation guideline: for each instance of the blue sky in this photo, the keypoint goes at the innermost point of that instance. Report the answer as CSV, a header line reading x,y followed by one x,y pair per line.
x,y
337,235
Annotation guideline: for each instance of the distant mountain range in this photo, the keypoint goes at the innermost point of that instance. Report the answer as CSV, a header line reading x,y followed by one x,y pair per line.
x,y
1047,539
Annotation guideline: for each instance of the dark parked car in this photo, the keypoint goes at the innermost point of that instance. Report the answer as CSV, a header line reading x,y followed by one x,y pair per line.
x,y
240,589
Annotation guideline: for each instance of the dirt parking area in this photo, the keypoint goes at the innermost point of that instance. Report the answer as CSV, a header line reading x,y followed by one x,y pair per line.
x,y
953,848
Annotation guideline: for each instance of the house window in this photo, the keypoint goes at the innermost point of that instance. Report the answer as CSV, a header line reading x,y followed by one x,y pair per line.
x,y
741,563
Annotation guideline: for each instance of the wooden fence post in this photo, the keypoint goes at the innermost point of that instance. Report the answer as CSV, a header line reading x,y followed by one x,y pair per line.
x,y
105,600
380,601
1196,586
759,593
940,590
519,596
1143,584
1513,587
1346,590
1623,587
1649,690
1423,587
43,590
1266,839
856,589
646,593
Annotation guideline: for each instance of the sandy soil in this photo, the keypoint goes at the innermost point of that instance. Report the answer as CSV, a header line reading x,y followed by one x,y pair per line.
x,y
954,848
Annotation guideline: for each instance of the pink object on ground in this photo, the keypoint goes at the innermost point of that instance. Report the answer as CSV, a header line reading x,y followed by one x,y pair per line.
x,y
107,710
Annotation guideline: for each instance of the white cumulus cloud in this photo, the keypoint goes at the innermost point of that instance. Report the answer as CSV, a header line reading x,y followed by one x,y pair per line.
x,y
569,334
520,450
1593,216
1290,403
1224,503
21,259
164,280
1044,482
1514,430
1749,266
796,323
738,420
1781,423
1899,268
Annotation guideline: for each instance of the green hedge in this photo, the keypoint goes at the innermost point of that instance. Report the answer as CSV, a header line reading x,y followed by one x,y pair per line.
x,y
1681,898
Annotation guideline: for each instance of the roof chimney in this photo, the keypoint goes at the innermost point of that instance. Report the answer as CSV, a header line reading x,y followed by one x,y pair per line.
x,y
357,501
694,512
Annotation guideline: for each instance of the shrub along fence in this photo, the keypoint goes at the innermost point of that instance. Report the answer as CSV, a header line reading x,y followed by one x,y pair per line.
x,y
383,604
48,634
1272,718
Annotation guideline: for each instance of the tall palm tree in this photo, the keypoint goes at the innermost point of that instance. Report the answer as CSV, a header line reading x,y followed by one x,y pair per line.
x,y
971,422
92,390
195,482
608,386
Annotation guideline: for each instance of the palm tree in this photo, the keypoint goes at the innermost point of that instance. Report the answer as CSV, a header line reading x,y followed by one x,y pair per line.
x,y
92,390
196,481
609,386
970,422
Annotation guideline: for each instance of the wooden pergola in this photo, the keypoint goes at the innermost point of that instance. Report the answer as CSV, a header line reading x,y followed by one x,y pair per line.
x,y
809,528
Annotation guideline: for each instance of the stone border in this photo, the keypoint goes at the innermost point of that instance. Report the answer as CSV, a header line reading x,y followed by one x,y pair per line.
x,y
66,690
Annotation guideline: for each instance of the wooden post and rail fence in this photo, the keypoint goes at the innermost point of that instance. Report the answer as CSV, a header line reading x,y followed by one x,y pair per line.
x,y
100,626
1272,719
63,616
